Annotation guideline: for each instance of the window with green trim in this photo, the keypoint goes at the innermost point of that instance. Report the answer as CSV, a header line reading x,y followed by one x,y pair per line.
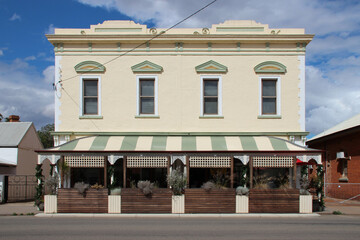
x,y
211,98
90,96
269,97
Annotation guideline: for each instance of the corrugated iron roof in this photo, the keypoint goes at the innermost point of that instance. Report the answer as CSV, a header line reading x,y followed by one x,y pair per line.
x,y
347,124
11,133
179,143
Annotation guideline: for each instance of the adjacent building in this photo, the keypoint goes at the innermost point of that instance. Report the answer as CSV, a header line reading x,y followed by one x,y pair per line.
x,y
18,159
342,158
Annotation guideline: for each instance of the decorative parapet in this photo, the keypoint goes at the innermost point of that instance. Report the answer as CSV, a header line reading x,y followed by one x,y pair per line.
x,y
270,67
211,67
147,66
89,67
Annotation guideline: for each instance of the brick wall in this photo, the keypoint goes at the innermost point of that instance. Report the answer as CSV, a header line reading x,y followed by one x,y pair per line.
x,y
350,144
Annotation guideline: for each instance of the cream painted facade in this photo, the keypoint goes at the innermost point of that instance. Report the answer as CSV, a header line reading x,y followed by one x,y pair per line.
x,y
237,45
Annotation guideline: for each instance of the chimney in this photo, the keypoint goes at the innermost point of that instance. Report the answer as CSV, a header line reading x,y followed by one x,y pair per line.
x,y
14,118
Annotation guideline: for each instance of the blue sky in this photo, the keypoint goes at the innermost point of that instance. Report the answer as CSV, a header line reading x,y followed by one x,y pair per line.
x,y
333,61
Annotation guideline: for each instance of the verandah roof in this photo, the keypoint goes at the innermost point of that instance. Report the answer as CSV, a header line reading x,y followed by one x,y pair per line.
x,y
178,143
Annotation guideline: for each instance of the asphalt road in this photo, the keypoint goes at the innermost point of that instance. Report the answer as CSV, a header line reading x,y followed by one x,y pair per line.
x,y
324,227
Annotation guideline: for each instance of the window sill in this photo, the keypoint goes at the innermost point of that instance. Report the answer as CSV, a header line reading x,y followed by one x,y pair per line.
x,y
147,116
343,179
211,116
269,117
90,117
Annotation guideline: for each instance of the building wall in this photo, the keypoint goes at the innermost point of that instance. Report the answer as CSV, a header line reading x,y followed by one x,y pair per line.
x,y
179,97
335,187
27,157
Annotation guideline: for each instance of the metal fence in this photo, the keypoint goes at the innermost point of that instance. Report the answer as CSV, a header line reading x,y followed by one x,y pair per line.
x,y
21,188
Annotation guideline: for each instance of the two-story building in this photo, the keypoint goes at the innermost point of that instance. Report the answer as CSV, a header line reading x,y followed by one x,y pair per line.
x,y
143,101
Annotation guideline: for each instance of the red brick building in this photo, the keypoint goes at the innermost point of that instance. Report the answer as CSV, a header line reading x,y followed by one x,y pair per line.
x,y
342,158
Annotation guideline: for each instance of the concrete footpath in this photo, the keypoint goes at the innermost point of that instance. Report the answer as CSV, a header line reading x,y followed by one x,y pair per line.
x,y
332,205
20,208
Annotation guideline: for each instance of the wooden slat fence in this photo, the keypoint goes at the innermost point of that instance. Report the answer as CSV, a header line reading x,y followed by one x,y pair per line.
x,y
71,201
274,201
134,201
198,200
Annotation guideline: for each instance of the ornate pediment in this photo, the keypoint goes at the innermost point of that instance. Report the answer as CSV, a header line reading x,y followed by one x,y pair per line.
x,y
211,67
89,67
147,66
270,67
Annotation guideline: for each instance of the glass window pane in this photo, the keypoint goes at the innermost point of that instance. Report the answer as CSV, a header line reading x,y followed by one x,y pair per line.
x,y
147,88
210,105
147,105
90,88
269,88
269,106
210,88
90,106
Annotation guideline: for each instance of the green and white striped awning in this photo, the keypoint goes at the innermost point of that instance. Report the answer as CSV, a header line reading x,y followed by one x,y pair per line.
x,y
178,143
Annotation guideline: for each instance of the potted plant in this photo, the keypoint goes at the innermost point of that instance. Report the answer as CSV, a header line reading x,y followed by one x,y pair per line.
x,y
177,182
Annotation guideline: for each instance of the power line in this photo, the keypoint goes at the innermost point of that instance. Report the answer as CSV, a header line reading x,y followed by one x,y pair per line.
x,y
131,50
146,42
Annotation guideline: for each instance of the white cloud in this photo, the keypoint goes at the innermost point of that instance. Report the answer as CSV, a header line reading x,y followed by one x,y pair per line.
x,y
48,74
50,29
1,52
30,58
333,76
25,92
15,17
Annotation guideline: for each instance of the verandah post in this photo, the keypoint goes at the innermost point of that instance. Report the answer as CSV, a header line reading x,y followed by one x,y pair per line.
x,y
105,171
168,170
124,171
251,171
62,171
232,172
187,171
294,174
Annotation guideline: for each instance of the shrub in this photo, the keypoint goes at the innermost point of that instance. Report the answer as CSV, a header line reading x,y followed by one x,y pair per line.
x,y
177,182
53,183
146,187
82,187
208,186
115,191
97,186
242,191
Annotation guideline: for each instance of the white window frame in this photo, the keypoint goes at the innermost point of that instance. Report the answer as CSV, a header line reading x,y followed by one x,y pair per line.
x,y
278,95
205,77
81,108
138,78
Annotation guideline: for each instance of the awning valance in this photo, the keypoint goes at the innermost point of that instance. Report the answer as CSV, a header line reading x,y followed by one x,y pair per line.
x,y
178,143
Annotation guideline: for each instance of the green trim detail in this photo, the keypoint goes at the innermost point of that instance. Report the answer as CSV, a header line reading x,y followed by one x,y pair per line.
x,y
211,67
69,145
99,143
248,143
118,29
218,143
278,145
211,117
146,66
269,117
89,67
240,29
147,116
188,143
90,117
159,143
57,133
129,143
270,67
